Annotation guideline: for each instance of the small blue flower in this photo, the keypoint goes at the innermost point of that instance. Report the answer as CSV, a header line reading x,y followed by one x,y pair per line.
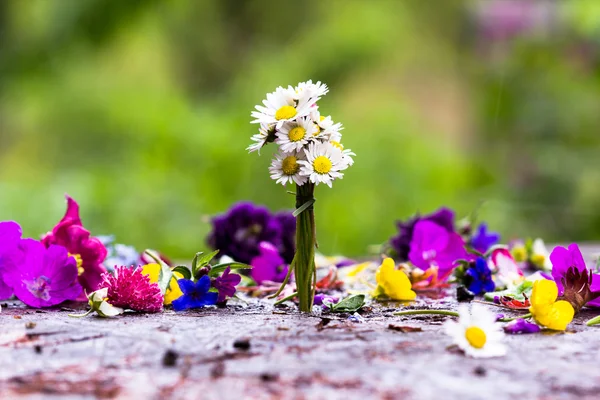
x,y
483,239
195,295
479,277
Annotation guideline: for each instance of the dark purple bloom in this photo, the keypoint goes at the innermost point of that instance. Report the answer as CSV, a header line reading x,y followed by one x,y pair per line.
x,y
434,246
225,284
269,265
346,262
195,295
444,217
478,277
521,326
483,239
10,236
238,232
576,282
88,252
288,235
43,276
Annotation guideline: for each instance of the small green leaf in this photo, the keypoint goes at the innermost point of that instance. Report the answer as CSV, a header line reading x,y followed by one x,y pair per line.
x,y
349,304
164,277
201,259
303,207
183,270
218,269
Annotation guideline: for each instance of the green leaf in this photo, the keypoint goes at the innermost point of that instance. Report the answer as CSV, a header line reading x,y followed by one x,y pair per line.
x,y
183,270
201,260
219,268
349,304
303,207
164,277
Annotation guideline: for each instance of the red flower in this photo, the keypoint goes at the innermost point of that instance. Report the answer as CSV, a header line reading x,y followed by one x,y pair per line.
x,y
129,288
89,252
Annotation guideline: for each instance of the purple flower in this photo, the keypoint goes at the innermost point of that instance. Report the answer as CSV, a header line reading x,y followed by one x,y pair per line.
x,y
434,246
238,232
88,252
225,284
268,266
483,239
521,326
444,217
288,235
43,277
576,283
10,236
195,295
478,277
324,300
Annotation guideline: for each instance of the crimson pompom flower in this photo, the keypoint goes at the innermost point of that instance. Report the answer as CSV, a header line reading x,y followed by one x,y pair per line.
x,y
88,252
129,288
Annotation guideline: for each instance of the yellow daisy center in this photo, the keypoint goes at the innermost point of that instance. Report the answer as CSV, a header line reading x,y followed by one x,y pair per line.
x,y
317,129
538,259
519,253
290,165
296,133
285,112
337,144
79,262
475,336
322,165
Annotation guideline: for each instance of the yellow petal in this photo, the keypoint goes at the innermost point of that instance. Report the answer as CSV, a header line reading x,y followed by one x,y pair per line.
x,y
394,283
152,270
544,292
173,292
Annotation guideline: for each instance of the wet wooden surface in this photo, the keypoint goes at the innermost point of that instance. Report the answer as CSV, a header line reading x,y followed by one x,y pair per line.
x,y
256,351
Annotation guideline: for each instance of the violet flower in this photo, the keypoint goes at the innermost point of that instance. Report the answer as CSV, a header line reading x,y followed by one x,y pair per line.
x,y
130,289
433,245
576,283
478,277
324,300
89,252
225,284
521,325
195,295
10,236
287,249
238,232
483,240
268,266
43,277
443,217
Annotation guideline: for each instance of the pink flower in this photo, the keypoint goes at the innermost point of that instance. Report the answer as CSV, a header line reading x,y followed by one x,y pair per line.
x,y
129,288
89,252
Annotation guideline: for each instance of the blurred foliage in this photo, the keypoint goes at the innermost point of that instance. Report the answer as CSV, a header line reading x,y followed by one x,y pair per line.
x,y
140,110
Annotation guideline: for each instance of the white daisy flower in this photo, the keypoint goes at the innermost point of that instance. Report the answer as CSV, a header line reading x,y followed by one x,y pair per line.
x,y
317,90
477,333
323,163
284,105
326,128
540,256
294,135
285,168
266,134
346,153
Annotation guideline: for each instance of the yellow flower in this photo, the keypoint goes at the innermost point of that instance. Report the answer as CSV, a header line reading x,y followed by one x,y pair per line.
x,y
393,282
546,310
173,292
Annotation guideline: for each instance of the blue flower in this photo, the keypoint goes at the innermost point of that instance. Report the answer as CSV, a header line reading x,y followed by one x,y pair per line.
x,y
195,295
479,277
483,239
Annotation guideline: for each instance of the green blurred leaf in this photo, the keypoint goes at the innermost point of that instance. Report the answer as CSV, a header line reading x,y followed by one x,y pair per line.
x,y
349,304
219,268
183,270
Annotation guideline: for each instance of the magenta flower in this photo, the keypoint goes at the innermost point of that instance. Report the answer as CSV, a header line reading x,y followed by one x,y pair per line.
x,y
130,289
268,266
43,277
433,245
576,283
10,236
89,252
225,284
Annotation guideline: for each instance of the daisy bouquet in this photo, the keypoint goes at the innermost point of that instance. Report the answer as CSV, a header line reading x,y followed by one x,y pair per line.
x,y
309,153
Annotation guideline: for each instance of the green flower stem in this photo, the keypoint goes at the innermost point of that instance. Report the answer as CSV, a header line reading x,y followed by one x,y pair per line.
x,y
513,318
593,321
428,312
291,296
81,315
304,267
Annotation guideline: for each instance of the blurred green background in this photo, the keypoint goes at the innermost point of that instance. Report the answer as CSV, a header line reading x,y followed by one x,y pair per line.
x,y
140,110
